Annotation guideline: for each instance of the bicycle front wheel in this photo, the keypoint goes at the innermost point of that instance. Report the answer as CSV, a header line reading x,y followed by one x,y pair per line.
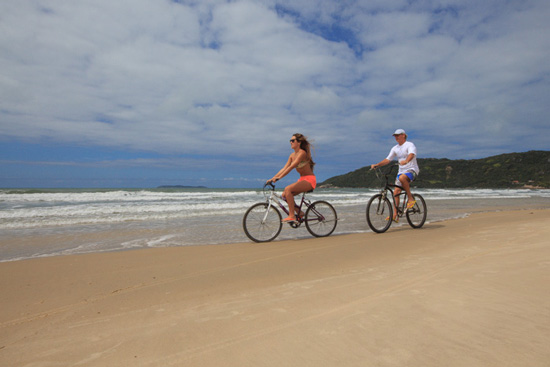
x,y
379,213
321,219
416,216
262,223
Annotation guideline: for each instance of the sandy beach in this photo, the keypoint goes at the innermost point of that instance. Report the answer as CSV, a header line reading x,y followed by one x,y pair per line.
x,y
465,292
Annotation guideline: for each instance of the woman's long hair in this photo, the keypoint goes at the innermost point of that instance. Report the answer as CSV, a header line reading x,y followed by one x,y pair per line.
x,y
305,145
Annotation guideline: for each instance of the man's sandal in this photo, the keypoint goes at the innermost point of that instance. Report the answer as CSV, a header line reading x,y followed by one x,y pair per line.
x,y
395,218
410,204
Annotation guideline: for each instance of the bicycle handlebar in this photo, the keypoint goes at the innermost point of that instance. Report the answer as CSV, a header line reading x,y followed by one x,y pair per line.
x,y
380,174
392,166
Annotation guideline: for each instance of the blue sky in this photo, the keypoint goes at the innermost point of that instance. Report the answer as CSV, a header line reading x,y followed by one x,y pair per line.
x,y
141,93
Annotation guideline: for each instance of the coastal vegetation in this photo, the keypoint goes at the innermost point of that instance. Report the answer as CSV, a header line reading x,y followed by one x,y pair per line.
x,y
514,170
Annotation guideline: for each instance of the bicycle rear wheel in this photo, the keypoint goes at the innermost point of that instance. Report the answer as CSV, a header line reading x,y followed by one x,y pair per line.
x,y
261,224
321,219
379,213
416,216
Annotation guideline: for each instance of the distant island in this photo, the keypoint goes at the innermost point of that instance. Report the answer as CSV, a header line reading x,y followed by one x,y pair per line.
x,y
514,170
181,187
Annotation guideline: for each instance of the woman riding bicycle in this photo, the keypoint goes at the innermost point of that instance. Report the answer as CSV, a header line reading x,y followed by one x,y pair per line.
x,y
302,161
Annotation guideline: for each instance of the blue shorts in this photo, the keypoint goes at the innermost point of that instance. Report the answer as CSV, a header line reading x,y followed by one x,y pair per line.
x,y
411,175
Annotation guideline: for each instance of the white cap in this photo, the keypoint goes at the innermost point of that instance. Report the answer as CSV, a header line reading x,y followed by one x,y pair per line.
x,y
399,132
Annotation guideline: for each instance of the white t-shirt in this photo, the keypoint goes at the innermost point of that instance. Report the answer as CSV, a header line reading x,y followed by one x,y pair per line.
x,y
401,152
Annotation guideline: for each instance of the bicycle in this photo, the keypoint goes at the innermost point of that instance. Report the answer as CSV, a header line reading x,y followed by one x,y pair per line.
x,y
262,222
380,210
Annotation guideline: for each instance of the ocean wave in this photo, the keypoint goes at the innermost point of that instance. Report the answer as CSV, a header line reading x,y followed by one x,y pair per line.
x,y
20,209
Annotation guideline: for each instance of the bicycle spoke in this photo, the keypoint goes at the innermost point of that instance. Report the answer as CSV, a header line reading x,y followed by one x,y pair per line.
x,y
416,216
262,223
379,213
321,219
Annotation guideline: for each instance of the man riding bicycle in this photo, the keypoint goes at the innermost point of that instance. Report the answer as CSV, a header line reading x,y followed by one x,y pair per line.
x,y
405,153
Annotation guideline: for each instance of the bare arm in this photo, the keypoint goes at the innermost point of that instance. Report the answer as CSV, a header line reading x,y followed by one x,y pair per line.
x,y
379,164
278,174
289,166
405,161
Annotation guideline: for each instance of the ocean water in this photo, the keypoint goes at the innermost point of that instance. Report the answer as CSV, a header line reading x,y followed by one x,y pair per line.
x,y
38,223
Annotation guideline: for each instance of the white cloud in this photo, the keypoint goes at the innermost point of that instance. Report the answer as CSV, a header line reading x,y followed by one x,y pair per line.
x,y
234,77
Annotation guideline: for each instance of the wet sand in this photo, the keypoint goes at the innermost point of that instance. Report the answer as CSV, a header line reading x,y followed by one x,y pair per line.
x,y
465,292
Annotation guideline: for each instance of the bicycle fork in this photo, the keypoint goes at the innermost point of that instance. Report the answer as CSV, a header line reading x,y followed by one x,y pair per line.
x,y
381,207
269,205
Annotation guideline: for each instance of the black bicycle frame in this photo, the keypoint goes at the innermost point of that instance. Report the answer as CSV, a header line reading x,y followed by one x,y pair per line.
x,y
388,187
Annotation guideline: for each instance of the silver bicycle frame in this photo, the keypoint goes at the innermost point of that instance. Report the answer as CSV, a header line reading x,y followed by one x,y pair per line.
x,y
275,197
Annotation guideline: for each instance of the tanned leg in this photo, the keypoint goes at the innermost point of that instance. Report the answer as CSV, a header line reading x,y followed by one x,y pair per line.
x,y
396,193
405,182
289,193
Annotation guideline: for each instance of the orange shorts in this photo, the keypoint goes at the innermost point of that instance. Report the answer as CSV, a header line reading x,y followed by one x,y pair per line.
x,y
311,179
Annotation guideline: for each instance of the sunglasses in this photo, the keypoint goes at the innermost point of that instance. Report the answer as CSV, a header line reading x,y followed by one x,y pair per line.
x,y
292,140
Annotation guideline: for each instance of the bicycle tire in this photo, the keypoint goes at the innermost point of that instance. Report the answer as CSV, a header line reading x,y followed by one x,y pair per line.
x,y
258,229
416,216
379,213
321,219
